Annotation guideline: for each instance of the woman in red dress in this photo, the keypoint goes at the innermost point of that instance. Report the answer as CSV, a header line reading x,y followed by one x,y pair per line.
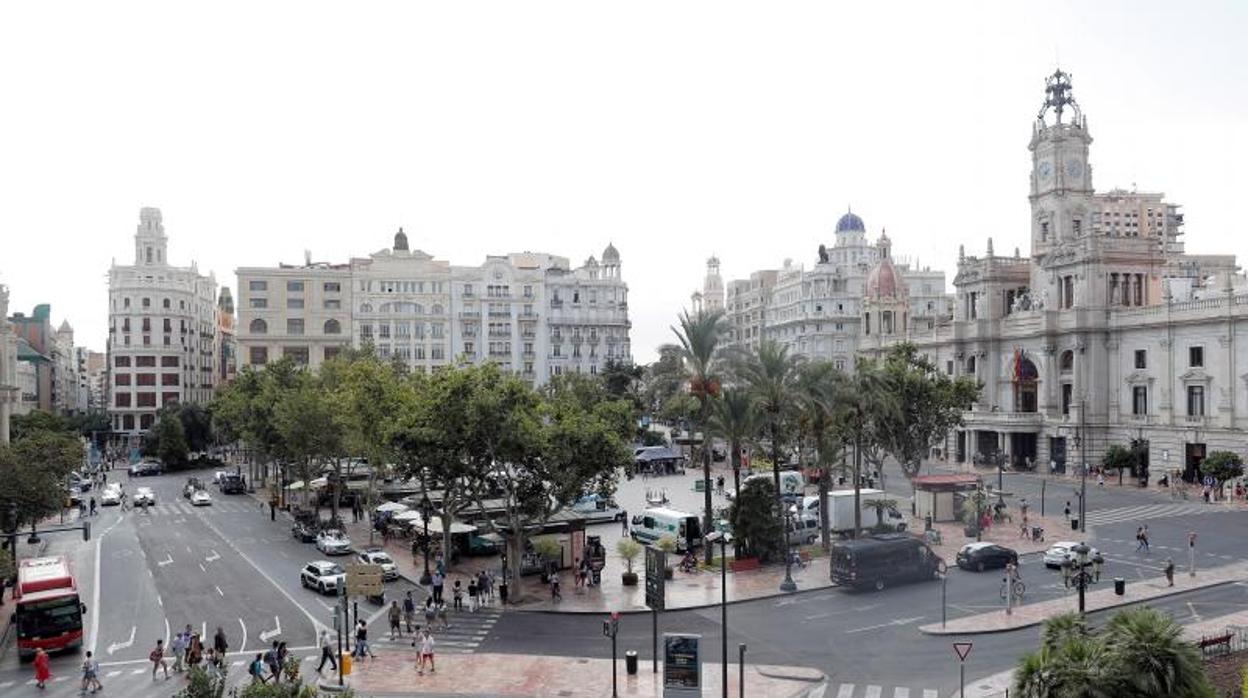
x,y
43,671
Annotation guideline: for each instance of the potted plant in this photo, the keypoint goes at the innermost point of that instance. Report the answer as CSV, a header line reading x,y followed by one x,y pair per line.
x,y
667,543
628,549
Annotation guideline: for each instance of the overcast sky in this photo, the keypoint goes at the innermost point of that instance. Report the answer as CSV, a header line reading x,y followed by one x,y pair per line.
x,y
673,129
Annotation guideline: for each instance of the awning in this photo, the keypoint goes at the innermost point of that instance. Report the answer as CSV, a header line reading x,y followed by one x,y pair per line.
x,y
320,482
404,515
392,506
435,523
294,486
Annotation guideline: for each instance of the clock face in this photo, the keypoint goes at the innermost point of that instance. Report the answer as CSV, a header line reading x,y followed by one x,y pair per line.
x,y
1074,169
1045,169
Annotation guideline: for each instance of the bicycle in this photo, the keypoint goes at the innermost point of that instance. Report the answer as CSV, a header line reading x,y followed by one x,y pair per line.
x,y
1019,590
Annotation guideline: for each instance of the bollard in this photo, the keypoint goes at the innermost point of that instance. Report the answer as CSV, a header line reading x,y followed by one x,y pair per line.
x,y
630,662
1120,586
1074,524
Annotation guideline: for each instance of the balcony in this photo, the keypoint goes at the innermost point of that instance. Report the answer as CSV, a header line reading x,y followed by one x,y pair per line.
x,y
556,303
1007,421
500,333
500,313
528,314
470,314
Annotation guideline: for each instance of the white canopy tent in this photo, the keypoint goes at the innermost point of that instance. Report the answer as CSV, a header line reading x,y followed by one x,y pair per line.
x,y
392,506
414,520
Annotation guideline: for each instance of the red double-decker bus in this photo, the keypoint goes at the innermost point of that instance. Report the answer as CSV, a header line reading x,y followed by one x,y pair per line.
x,y
49,612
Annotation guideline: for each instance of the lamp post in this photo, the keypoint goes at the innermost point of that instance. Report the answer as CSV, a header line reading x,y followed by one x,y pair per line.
x,y
721,538
426,510
1083,473
788,584
1080,578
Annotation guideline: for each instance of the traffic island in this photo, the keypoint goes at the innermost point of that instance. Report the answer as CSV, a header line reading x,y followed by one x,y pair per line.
x,y
1136,591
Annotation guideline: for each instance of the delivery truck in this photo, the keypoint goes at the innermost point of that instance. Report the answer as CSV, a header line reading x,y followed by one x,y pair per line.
x,y
841,511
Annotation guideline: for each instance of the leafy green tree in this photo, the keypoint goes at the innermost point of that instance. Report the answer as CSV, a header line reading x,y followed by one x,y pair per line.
x,y
366,392
33,470
622,380
36,421
756,530
862,405
663,379
699,335
929,404
94,424
197,427
170,439
1118,457
880,505
1222,466
308,426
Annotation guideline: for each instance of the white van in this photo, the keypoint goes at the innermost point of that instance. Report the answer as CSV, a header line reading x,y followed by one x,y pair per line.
x,y
652,524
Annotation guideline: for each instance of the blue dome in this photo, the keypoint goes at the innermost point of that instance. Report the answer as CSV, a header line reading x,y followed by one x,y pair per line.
x,y
850,223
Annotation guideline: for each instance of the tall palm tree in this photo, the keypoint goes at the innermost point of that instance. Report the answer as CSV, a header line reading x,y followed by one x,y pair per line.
x,y
699,337
1151,657
861,401
733,418
816,424
771,374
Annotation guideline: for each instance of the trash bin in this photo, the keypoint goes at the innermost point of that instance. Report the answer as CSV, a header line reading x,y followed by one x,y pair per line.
x,y
1120,586
502,592
345,660
1074,524
630,662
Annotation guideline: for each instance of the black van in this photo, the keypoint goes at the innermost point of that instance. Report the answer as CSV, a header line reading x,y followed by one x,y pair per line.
x,y
883,560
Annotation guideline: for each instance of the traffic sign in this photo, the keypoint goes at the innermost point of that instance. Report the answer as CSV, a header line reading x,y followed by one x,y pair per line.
x,y
963,650
1209,481
364,580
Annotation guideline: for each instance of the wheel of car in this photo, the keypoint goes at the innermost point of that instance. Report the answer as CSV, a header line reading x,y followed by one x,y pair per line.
x,y
979,566
879,585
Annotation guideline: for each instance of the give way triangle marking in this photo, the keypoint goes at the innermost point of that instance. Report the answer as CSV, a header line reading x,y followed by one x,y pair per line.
x,y
963,649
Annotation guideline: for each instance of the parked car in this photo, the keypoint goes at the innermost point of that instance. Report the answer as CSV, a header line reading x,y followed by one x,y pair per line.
x,y
322,575
374,556
144,495
982,556
304,531
882,560
1063,551
111,495
804,531
597,509
233,483
201,498
333,542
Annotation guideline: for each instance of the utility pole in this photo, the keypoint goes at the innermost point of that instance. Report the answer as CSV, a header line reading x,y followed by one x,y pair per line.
x,y
1083,456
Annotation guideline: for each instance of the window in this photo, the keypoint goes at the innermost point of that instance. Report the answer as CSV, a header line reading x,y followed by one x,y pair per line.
x,y
1066,363
1196,357
121,361
1141,359
366,333
1067,397
1195,400
436,352
294,287
294,304
1077,227
145,379
145,361
257,285
467,289
168,325
1044,231
294,326
970,365
436,330
1139,400
1068,292
383,331
299,354
168,399
121,379
121,399
125,302
258,356
127,422
147,302
469,348
169,362
145,400
331,287
258,326
165,302
331,352
169,379
147,324
333,304
949,367
333,327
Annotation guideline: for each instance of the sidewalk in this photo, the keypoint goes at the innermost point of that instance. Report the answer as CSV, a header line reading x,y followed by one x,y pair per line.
x,y
1137,590
528,675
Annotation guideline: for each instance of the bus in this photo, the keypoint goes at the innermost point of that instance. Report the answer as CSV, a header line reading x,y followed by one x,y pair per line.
x,y
49,611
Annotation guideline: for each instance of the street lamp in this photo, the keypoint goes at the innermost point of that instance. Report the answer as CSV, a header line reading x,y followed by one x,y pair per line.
x,y
426,510
788,584
722,538
1082,578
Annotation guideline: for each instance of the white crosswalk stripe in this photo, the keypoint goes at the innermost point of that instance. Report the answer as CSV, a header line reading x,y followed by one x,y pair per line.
x,y
872,692
845,691
901,692
930,693
1147,512
466,633
849,690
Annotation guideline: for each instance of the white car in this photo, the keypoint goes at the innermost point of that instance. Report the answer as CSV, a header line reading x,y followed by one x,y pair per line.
x,y
322,575
144,495
1063,551
333,542
110,495
201,498
377,557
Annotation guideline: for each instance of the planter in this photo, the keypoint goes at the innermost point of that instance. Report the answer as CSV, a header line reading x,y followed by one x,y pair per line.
x,y
629,579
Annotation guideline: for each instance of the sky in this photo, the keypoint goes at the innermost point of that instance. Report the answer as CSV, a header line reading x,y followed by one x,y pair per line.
x,y
674,130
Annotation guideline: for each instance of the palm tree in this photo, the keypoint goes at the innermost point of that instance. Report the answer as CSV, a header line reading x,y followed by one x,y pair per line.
x,y
771,375
1060,628
880,505
1151,657
699,337
816,424
860,402
733,418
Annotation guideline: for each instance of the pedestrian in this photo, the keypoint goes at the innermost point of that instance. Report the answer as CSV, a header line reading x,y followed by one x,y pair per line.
x,y
210,661
93,506
157,657
426,652
431,615
473,593
1169,572
90,674
409,611
457,593
361,641
554,586
272,662
1068,511
1097,561
1100,479
220,645
43,669
395,615
327,651
438,580
194,653
256,669
272,510
483,586
624,520
1139,538
179,649
282,654
442,616
1144,538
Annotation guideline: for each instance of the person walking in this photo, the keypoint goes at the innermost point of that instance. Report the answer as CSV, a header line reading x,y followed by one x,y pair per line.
x,y
473,593
220,645
1097,561
426,652
93,506
1139,538
457,594
409,611
483,586
194,653
256,669
43,669
1169,570
361,641
157,657
1068,510
395,616
90,674
624,520
442,616
431,615
554,587
327,652
282,654
273,663
1144,538
438,580
179,649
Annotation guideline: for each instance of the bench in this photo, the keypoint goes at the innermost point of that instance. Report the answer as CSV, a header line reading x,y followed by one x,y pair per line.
x,y
1222,642
744,564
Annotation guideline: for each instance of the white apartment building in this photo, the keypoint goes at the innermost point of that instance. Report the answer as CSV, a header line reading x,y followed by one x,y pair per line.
x,y
531,313
10,388
162,332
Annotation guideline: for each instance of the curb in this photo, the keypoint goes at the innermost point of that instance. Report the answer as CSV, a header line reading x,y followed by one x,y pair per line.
x,y
810,675
638,611
929,630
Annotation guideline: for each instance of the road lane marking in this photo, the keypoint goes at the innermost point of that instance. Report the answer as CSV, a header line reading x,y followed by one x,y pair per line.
x,y
202,568
930,693
267,634
167,561
136,672
219,592
901,692
111,674
145,660
213,557
243,645
122,645
898,621
166,631
95,591
873,691
845,691
159,601
1195,615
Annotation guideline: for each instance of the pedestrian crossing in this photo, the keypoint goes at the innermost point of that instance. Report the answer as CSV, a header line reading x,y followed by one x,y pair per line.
x,y
178,508
466,632
1147,512
852,690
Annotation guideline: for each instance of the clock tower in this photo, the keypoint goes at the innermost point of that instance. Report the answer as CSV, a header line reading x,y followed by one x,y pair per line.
x,y
1061,178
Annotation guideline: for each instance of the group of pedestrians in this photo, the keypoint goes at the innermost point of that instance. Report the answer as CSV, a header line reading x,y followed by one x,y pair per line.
x,y
188,652
273,661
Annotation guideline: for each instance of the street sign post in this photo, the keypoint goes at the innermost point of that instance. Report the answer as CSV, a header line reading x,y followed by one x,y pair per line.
x,y
963,650
682,666
656,590
364,580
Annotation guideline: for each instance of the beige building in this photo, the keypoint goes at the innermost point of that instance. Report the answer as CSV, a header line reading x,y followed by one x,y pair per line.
x,y
10,389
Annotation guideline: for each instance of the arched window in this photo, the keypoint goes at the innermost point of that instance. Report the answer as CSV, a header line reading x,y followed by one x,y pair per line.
x,y
970,365
259,326
366,307
1066,363
1025,378
436,309
332,327
417,309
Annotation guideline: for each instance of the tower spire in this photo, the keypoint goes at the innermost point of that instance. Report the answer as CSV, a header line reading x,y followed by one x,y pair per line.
x,y
1057,96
